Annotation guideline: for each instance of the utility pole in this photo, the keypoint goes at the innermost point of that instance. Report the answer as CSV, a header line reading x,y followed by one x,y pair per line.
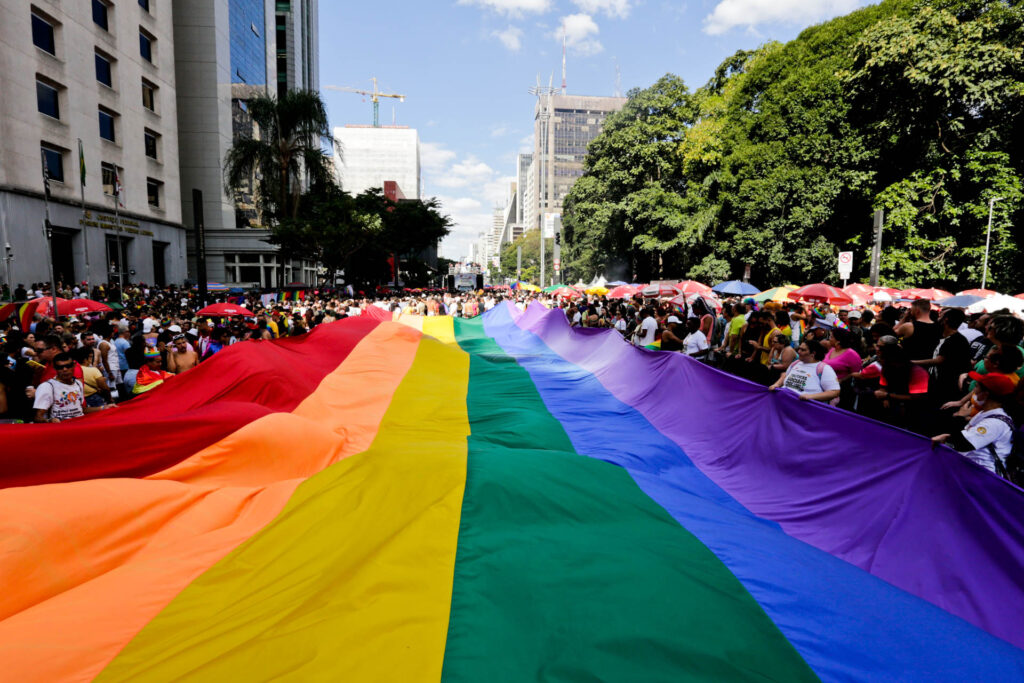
x,y
876,247
85,228
988,239
48,230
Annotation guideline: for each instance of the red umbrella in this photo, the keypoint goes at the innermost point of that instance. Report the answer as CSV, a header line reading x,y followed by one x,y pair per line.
x,y
693,287
566,292
688,299
888,290
860,293
622,292
70,306
915,293
983,293
820,293
224,310
1020,296
654,291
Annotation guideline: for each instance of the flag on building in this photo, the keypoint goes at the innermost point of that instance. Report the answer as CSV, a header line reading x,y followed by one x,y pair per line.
x,y
118,190
46,174
81,161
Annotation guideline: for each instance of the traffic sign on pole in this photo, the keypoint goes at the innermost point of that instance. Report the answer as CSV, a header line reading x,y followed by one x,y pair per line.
x,y
845,265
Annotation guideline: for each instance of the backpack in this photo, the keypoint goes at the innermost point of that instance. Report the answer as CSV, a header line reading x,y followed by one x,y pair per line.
x,y
1013,468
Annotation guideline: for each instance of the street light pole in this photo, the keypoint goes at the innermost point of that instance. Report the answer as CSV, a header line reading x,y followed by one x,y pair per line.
x,y
988,240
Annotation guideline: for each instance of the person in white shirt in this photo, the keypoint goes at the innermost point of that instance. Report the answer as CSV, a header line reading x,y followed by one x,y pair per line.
x,y
62,397
647,328
988,438
695,344
809,377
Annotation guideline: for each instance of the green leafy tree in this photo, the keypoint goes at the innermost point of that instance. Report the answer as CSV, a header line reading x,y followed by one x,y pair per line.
x,y
289,143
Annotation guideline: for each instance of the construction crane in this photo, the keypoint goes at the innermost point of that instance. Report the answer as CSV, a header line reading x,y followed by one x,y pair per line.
x,y
375,96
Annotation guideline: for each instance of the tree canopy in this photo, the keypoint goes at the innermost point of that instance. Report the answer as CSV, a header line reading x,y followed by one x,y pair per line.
x,y
779,161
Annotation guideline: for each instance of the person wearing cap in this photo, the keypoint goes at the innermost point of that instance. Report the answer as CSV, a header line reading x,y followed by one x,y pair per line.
x,y
150,374
671,340
988,438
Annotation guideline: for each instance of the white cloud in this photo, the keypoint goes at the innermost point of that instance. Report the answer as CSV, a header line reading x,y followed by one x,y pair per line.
x,y
501,130
511,7
468,172
511,38
580,34
526,144
434,156
612,8
729,14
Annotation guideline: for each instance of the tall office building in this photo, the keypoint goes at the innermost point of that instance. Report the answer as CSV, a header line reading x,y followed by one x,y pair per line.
x,y
103,74
227,53
366,157
296,45
563,127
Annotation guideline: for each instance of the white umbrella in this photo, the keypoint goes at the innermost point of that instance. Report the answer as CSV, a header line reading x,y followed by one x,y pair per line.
x,y
881,297
997,303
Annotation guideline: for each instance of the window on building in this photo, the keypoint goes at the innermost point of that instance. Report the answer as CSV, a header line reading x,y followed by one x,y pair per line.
x,y
47,100
146,45
151,143
104,70
99,14
42,34
107,131
54,160
148,95
153,188
107,172
144,4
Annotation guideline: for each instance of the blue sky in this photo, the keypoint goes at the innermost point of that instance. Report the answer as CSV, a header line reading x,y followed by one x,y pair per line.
x,y
465,67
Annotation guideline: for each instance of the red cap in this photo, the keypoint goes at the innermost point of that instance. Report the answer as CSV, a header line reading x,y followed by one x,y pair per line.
x,y
996,382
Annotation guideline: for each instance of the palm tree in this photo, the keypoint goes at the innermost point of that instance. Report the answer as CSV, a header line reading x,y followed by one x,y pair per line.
x,y
291,130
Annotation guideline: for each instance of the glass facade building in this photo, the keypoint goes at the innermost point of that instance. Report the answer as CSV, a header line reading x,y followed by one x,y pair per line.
x,y
248,45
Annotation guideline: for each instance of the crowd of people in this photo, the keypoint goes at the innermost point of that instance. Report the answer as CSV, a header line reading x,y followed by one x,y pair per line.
x,y
940,373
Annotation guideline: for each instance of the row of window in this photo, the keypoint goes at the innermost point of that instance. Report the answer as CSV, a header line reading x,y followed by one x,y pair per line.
x,y
48,102
53,157
44,32
101,12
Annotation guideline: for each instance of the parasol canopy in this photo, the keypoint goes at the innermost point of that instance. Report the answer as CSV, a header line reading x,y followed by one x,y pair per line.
x,y
735,288
70,306
820,293
778,294
693,287
622,292
224,310
929,293
960,301
657,291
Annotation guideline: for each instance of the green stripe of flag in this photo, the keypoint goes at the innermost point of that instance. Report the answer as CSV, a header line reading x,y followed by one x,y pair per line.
x,y
566,570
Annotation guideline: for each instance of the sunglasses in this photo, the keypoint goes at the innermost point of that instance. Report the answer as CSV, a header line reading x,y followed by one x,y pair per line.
x,y
64,367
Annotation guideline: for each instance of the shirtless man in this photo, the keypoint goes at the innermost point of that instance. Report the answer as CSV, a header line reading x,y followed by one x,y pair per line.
x,y
180,357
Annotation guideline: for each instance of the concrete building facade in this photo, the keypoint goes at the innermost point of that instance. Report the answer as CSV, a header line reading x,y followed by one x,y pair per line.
x,y
103,74
563,127
367,156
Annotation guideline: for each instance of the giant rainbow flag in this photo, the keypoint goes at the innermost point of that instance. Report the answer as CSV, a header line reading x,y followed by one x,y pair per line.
x,y
497,499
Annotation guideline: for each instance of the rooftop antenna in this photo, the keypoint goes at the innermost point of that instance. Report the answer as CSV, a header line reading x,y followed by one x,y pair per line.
x,y
563,58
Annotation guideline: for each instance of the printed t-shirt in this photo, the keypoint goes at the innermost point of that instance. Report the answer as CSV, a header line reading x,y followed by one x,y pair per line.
x,y
809,378
61,401
985,430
